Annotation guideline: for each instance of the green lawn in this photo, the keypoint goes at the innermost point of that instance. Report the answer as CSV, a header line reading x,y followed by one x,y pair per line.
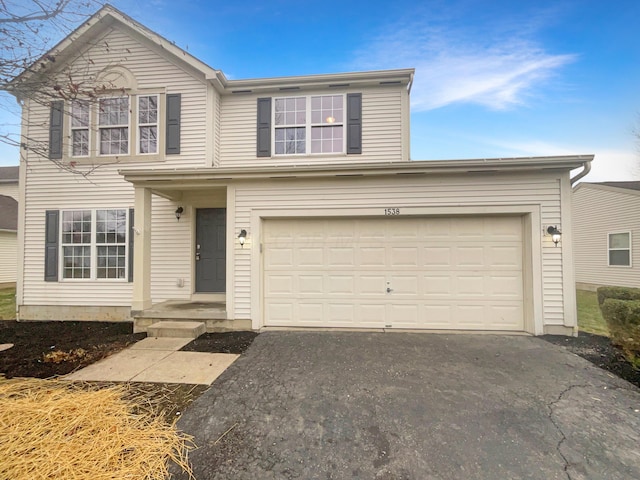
x,y
8,303
589,316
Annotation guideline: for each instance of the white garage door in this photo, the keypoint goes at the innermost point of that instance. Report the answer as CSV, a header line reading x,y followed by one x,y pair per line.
x,y
433,273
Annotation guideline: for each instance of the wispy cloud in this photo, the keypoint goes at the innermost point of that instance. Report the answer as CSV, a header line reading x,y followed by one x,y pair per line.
x,y
494,66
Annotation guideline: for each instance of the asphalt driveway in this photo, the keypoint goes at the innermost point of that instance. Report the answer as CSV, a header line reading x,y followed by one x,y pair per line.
x,y
392,406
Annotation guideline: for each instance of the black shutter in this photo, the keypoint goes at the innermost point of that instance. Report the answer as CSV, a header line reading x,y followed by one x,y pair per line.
x,y
263,142
51,245
354,123
173,124
131,233
55,130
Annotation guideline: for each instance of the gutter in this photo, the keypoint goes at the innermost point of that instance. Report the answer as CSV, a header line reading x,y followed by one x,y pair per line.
x,y
586,169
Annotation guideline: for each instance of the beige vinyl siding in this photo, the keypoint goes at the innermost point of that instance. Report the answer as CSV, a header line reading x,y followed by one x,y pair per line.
x,y
596,213
50,187
439,191
382,126
170,241
155,74
8,256
9,190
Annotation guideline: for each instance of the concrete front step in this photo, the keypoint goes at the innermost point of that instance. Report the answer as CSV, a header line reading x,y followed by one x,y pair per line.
x,y
176,329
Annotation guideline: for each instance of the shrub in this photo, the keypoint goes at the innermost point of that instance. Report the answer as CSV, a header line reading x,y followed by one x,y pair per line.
x,y
623,320
619,293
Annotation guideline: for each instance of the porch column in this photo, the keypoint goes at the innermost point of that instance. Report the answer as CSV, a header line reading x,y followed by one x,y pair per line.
x,y
142,250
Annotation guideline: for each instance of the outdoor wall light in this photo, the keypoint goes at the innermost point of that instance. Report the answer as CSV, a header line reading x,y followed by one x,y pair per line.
x,y
555,234
242,237
179,211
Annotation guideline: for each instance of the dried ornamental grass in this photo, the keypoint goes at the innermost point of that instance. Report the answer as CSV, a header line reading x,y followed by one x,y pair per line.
x,y
57,430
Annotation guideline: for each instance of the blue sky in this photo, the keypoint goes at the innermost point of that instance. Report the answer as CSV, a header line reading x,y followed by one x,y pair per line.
x,y
493,78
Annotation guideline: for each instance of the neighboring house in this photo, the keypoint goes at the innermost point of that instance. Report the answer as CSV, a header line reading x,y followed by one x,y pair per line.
x,y
8,224
292,201
606,222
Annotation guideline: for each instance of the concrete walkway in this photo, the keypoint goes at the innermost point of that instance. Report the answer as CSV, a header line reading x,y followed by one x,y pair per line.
x,y
157,360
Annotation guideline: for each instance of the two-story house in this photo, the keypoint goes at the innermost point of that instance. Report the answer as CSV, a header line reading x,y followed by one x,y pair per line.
x,y
278,202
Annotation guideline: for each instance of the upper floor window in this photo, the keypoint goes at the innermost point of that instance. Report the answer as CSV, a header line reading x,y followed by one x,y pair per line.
x,y
113,125
148,124
127,125
80,128
312,124
619,246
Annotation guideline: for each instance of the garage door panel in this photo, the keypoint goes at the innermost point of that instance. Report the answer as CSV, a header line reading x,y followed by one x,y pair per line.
x,y
444,273
309,257
371,284
404,256
310,284
436,256
341,256
371,257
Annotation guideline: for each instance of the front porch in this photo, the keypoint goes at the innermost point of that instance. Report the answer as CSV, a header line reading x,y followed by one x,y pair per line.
x,y
213,314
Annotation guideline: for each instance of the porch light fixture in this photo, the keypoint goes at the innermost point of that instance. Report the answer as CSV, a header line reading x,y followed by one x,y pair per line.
x,y
179,211
242,237
555,234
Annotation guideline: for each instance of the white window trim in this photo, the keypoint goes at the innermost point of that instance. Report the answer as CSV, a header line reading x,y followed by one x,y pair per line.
x,y
136,110
99,127
93,267
609,249
308,125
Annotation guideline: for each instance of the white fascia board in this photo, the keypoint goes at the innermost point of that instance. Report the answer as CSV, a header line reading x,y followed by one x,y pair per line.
x,y
481,166
306,82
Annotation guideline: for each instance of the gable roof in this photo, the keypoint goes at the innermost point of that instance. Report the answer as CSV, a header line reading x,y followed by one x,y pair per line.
x,y
628,188
8,213
99,22
108,16
628,185
9,174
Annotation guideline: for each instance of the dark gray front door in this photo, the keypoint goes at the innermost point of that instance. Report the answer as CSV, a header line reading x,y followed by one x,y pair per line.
x,y
211,265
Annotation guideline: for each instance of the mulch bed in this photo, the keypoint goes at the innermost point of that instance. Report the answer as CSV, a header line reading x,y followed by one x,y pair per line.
x,y
599,351
48,349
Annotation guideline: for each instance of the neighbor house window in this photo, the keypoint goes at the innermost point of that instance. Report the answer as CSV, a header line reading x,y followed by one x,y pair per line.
x,y
113,126
94,244
312,124
148,124
620,249
80,128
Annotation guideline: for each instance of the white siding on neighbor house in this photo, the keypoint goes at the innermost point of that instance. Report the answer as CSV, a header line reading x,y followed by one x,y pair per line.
x,y
382,126
424,191
596,213
49,187
8,256
9,190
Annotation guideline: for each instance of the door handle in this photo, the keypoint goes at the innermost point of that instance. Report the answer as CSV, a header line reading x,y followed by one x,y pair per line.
x,y
197,256
389,290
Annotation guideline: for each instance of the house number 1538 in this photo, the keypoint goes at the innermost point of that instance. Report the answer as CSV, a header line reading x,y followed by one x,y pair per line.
x,y
392,211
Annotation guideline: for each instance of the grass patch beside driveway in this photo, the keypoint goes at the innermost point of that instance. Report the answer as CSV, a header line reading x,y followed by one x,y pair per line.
x,y
589,316
8,303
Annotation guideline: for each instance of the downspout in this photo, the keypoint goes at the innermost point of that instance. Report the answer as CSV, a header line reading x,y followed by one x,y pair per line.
x,y
587,169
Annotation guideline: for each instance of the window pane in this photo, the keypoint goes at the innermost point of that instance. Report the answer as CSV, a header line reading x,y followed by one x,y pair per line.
x,y
114,141
77,262
148,139
79,114
618,240
619,257
114,111
80,139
